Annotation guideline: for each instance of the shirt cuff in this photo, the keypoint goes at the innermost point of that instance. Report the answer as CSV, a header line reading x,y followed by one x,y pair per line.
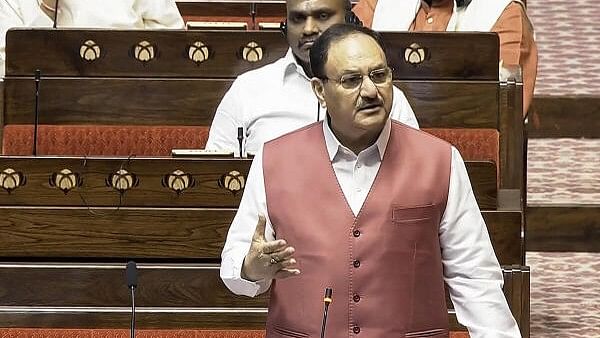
x,y
231,272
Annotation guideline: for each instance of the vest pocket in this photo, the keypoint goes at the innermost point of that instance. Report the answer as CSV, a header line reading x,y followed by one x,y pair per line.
x,y
412,215
436,333
288,333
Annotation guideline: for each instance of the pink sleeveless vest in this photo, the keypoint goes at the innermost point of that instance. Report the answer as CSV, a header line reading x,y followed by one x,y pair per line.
x,y
384,265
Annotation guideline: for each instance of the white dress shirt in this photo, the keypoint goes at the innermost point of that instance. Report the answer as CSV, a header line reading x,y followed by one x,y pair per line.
x,y
122,14
471,269
273,100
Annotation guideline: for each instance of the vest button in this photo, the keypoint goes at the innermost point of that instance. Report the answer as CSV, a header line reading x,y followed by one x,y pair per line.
x,y
356,233
356,263
356,298
356,329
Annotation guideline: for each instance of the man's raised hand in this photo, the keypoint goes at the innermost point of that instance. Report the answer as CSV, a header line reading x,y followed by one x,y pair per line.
x,y
268,259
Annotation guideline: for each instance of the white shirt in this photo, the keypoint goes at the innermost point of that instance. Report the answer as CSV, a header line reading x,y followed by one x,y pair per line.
x,y
273,100
123,14
471,269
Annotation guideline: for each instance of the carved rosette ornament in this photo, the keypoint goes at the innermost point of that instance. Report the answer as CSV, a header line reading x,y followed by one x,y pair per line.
x,y
178,181
89,51
65,180
252,52
198,52
144,51
415,54
11,179
122,180
234,181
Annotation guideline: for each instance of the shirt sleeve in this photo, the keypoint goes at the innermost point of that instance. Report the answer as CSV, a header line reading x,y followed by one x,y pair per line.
x,y
471,268
242,228
518,47
228,118
402,111
365,9
159,14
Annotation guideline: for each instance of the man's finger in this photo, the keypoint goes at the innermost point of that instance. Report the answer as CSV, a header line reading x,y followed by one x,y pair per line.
x,y
275,247
282,253
259,232
286,273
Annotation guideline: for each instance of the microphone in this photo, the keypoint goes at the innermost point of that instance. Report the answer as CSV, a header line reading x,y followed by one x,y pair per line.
x,y
327,300
37,77
131,276
240,138
55,14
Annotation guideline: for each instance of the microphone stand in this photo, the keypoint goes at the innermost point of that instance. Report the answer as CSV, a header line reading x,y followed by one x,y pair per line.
x,y
37,77
55,14
131,276
240,138
327,300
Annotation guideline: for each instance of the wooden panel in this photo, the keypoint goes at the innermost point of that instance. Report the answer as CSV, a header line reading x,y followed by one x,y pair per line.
x,y
150,173
483,180
564,116
453,104
563,228
151,191
115,101
113,233
182,234
448,56
271,11
174,285
61,52
95,318
194,101
505,228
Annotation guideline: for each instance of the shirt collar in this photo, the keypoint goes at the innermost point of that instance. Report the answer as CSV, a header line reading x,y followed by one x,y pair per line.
x,y
291,66
334,146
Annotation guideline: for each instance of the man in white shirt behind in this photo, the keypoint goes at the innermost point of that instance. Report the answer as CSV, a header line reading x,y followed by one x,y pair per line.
x,y
120,14
382,213
277,98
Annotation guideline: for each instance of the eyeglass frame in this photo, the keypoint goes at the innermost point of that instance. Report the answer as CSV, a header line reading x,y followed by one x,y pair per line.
x,y
340,81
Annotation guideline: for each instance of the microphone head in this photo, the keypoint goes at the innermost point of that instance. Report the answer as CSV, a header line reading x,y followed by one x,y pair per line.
x,y
240,131
37,74
131,274
328,293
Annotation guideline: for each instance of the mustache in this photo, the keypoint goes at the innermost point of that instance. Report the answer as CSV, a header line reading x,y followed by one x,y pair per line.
x,y
370,104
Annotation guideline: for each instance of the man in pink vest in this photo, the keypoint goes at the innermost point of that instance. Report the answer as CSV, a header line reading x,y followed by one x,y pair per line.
x,y
380,212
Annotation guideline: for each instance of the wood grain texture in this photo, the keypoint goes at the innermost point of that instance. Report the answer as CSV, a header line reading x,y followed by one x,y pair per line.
x,y
449,56
562,116
82,285
563,228
208,174
62,47
187,102
192,102
453,104
123,233
440,62
151,190
176,234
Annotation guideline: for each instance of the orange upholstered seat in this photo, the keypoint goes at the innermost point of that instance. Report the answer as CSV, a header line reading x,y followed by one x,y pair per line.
x,y
102,139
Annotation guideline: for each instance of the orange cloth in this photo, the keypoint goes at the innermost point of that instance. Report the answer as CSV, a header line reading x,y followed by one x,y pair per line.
x,y
517,46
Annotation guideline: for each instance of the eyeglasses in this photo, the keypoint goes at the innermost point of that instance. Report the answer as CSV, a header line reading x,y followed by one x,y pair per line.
x,y
353,81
